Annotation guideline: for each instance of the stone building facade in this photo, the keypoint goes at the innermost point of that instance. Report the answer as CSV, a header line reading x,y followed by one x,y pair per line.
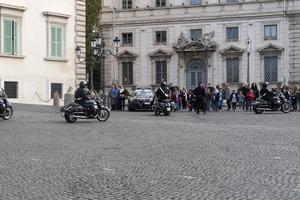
x,y
191,41
37,54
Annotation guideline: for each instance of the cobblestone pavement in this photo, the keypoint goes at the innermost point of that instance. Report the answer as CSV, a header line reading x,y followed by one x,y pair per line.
x,y
230,156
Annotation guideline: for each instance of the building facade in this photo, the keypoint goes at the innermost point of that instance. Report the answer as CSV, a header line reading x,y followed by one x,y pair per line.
x,y
37,48
191,41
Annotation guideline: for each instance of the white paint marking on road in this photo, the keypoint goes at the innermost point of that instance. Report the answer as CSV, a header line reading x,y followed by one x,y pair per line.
x,y
277,157
187,177
107,169
36,160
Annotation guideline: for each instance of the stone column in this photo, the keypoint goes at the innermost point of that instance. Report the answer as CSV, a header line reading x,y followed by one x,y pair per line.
x,y
80,71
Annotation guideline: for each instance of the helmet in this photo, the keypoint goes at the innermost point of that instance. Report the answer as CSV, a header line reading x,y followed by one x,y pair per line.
x,y
163,84
82,84
265,85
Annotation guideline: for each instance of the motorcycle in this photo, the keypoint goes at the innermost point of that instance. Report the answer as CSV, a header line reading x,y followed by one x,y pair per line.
x,y
162,107
280,104
94,110
6,110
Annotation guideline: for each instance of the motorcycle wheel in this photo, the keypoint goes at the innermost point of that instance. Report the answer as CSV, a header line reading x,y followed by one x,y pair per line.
x,y
286,107
8,113
166,113
257,111
103,115
69,118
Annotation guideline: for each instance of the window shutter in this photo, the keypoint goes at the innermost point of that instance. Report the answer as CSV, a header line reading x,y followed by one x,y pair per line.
x,y
59,42
15,37
53,43
7,37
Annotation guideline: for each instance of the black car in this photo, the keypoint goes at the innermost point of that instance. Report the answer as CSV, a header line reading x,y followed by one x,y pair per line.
x,y
142,99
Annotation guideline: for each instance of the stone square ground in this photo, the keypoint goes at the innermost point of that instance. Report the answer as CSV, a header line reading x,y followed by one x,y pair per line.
x,y
136,155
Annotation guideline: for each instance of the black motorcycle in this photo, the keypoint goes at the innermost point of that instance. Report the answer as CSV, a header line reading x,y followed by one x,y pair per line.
x,y
279,104
6,110
162,107
94,109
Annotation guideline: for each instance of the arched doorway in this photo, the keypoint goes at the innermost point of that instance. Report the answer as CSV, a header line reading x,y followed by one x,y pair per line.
x,y
196,72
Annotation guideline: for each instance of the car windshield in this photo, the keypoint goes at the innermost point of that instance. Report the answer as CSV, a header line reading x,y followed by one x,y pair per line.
x,y
143,94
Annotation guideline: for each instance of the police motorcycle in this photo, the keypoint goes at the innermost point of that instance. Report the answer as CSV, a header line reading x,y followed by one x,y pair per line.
x,y
162,102
6,110
164,107
279,104
93,109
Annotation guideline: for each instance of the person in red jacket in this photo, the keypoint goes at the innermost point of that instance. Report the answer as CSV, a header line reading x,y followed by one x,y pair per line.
x,y
250,97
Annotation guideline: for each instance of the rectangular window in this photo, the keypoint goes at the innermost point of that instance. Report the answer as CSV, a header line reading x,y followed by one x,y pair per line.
x,y
161,71
196,2
232,1
57,40
232,68
196,34
127,39
11,89
127,4
10,36
232,33
161,36
56,87
160,3
127,73
271,68
270,32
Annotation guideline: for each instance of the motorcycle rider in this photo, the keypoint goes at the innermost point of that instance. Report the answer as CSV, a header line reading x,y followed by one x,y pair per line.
x,y
267,94
162,93
81,94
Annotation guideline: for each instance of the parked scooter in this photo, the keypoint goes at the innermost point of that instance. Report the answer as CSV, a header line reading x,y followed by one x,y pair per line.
x,y
6,110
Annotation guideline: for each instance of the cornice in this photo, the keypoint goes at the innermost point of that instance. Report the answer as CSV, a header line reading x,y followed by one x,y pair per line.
x,y
110,10
47,13
180,20
13,7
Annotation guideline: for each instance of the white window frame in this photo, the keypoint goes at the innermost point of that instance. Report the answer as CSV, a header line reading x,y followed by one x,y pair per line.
x,y
63,50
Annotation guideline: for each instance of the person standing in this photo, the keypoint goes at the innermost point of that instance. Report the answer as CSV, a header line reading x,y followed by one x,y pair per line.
x,y
114,97
250,98
123,94
233,99
199,92
227,97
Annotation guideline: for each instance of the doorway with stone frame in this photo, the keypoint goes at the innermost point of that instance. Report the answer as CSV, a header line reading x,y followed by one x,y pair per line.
x,y
196,72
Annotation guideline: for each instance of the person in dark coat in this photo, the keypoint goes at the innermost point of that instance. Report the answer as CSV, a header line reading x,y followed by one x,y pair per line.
x,y
81,94
199,92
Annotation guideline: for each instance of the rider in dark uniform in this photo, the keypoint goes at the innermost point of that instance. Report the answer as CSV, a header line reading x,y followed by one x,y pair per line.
x,y
267,94
199,92
81,94
162,93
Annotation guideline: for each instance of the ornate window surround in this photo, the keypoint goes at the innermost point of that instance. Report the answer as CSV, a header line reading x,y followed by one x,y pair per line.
x,y
126,56
159,55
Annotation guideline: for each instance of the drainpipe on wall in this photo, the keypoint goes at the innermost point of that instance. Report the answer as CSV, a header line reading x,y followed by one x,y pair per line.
x,y
285,52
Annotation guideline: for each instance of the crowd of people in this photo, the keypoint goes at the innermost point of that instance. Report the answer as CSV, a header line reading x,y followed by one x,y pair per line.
x,y
209,98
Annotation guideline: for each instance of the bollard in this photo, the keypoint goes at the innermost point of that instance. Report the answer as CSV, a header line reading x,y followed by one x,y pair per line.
x,y
68,97
56,98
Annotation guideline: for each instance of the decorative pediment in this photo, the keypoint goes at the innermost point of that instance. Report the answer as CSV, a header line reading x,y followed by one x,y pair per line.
x,y
126,54
270,48
232,50
160,53
204,44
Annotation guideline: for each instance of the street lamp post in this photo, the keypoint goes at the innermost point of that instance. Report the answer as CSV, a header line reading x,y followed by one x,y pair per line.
x,y
248,47
97,53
